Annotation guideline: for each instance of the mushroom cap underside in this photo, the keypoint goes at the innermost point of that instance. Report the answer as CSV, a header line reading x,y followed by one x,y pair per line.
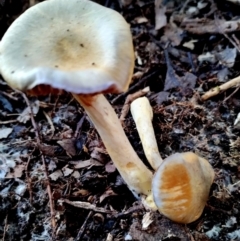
x,y
181,186
78,46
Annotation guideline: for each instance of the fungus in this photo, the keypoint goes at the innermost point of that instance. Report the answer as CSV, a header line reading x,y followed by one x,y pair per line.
x,y
83,48
181,183
142,114
181,186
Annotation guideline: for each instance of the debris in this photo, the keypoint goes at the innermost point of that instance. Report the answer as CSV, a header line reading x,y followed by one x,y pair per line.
x,y
160,17
69,146
214,232
5,132
26,114
148,218
55,175
67,171
219,89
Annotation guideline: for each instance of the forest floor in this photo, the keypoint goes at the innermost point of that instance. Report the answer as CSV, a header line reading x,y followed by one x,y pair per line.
x,y
183,49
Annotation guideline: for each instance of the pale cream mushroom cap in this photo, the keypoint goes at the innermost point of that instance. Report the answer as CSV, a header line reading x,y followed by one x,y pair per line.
x,y
78,46
181,186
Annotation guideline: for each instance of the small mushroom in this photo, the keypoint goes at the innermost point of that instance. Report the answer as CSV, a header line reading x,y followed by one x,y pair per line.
x,y
181,184
142,114
84,48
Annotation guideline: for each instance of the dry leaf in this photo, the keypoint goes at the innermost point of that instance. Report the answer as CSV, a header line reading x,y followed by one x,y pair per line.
x,y
140,20
55,175
190,44
87,163
172,33
67,171
26,114
17,171
76,174
160,17
106,194
147,220
69,146
5,132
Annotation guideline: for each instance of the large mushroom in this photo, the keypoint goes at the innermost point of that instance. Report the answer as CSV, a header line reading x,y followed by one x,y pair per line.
x,y
86,49
182,181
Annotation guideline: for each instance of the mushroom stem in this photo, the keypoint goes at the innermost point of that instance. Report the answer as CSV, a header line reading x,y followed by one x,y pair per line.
x,y
137,176
142,114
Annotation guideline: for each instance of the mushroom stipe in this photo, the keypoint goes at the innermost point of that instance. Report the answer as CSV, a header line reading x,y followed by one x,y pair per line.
x,y
181,182
86,49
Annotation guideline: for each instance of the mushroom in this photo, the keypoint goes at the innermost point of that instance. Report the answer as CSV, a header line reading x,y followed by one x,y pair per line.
x,y
142,114
181,186
84,48
181,183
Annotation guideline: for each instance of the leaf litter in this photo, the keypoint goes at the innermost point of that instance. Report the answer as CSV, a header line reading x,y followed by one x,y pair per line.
x,y
183,49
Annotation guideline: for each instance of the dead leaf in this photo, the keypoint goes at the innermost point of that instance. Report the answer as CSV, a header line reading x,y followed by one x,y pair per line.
x,y
55,175
148,218
69,146
140,20
160,17
87,163
5,132
209,57
106,194
190,44
67,134
172,33
81,192
227,56
99,154
76,174
26,114
48,150
17,171
172,80
67,171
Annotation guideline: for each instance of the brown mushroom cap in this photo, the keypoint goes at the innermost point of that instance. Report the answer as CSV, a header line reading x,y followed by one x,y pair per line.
x,y
78,46
181,186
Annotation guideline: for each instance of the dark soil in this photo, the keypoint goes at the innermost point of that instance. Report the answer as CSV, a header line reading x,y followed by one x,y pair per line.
x,y
179,62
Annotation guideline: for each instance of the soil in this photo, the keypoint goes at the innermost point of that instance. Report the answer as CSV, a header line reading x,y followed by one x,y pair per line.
x,y
182,49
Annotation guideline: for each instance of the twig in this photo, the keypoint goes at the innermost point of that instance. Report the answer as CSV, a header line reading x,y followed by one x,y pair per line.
x,y
231,94
29,180
82,229
130,98
219,89
79,126
114,101
218,25
5,227
43,162
50,123
88,206
130,210
8,95
52,208
92,207
8,122
31,116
